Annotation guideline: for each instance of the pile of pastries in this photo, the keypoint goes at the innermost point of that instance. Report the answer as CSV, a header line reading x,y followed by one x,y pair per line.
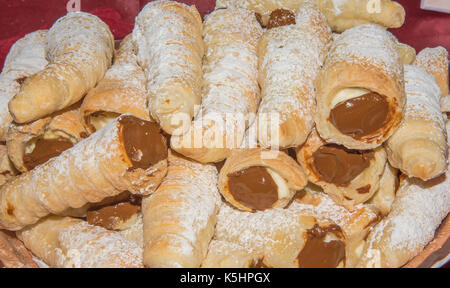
x,y
288,133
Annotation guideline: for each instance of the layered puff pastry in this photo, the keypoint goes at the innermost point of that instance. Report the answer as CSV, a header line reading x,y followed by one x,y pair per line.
x,y
417,212
26,57
179,218
230,88
115,159
259,179
313,232
291,52
33,144
419,147
341,15
360,90
121,91
350,177
79,48
65,242
168,39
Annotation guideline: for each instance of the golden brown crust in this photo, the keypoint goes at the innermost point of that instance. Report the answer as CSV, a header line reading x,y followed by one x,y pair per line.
x,y
121,91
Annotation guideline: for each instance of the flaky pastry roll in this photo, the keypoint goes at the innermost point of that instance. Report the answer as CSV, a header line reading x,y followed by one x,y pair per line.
x,y
129,154
121,91
179,218
341,15
79,48
435,62
64,242
26,57
260,179
350,177
417,212
230,88
33,144
223,254
168,39
291,53
418,148
284,238
360,90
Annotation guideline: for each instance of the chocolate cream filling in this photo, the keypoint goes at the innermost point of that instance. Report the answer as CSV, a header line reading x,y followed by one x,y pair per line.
x,y
112,215
144,142
44,150
281,17
360,116
339,165
319,253
253,187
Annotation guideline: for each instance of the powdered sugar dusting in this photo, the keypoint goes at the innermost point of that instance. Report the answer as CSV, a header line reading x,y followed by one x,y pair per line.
x,y
26,57
230,73
422,96
366,44
89,246
191,188
418,210
169,46
291,58
433,60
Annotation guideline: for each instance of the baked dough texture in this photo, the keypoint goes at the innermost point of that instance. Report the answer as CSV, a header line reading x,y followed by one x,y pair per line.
x,y
79,48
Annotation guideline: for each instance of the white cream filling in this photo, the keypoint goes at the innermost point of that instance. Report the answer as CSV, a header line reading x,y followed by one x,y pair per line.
x,y
283,189
347,94
100,120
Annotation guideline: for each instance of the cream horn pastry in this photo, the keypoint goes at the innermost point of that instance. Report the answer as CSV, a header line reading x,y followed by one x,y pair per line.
x,y
33,144
418,148
360,90
355,223
417,212
64,242
284,238
79,48
260,179
121,91
223,254
385,195
26,57
129,154
168,39
7,169
13,254
291,53
135,232
230,87
341,15
349,176
179,218
435,62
